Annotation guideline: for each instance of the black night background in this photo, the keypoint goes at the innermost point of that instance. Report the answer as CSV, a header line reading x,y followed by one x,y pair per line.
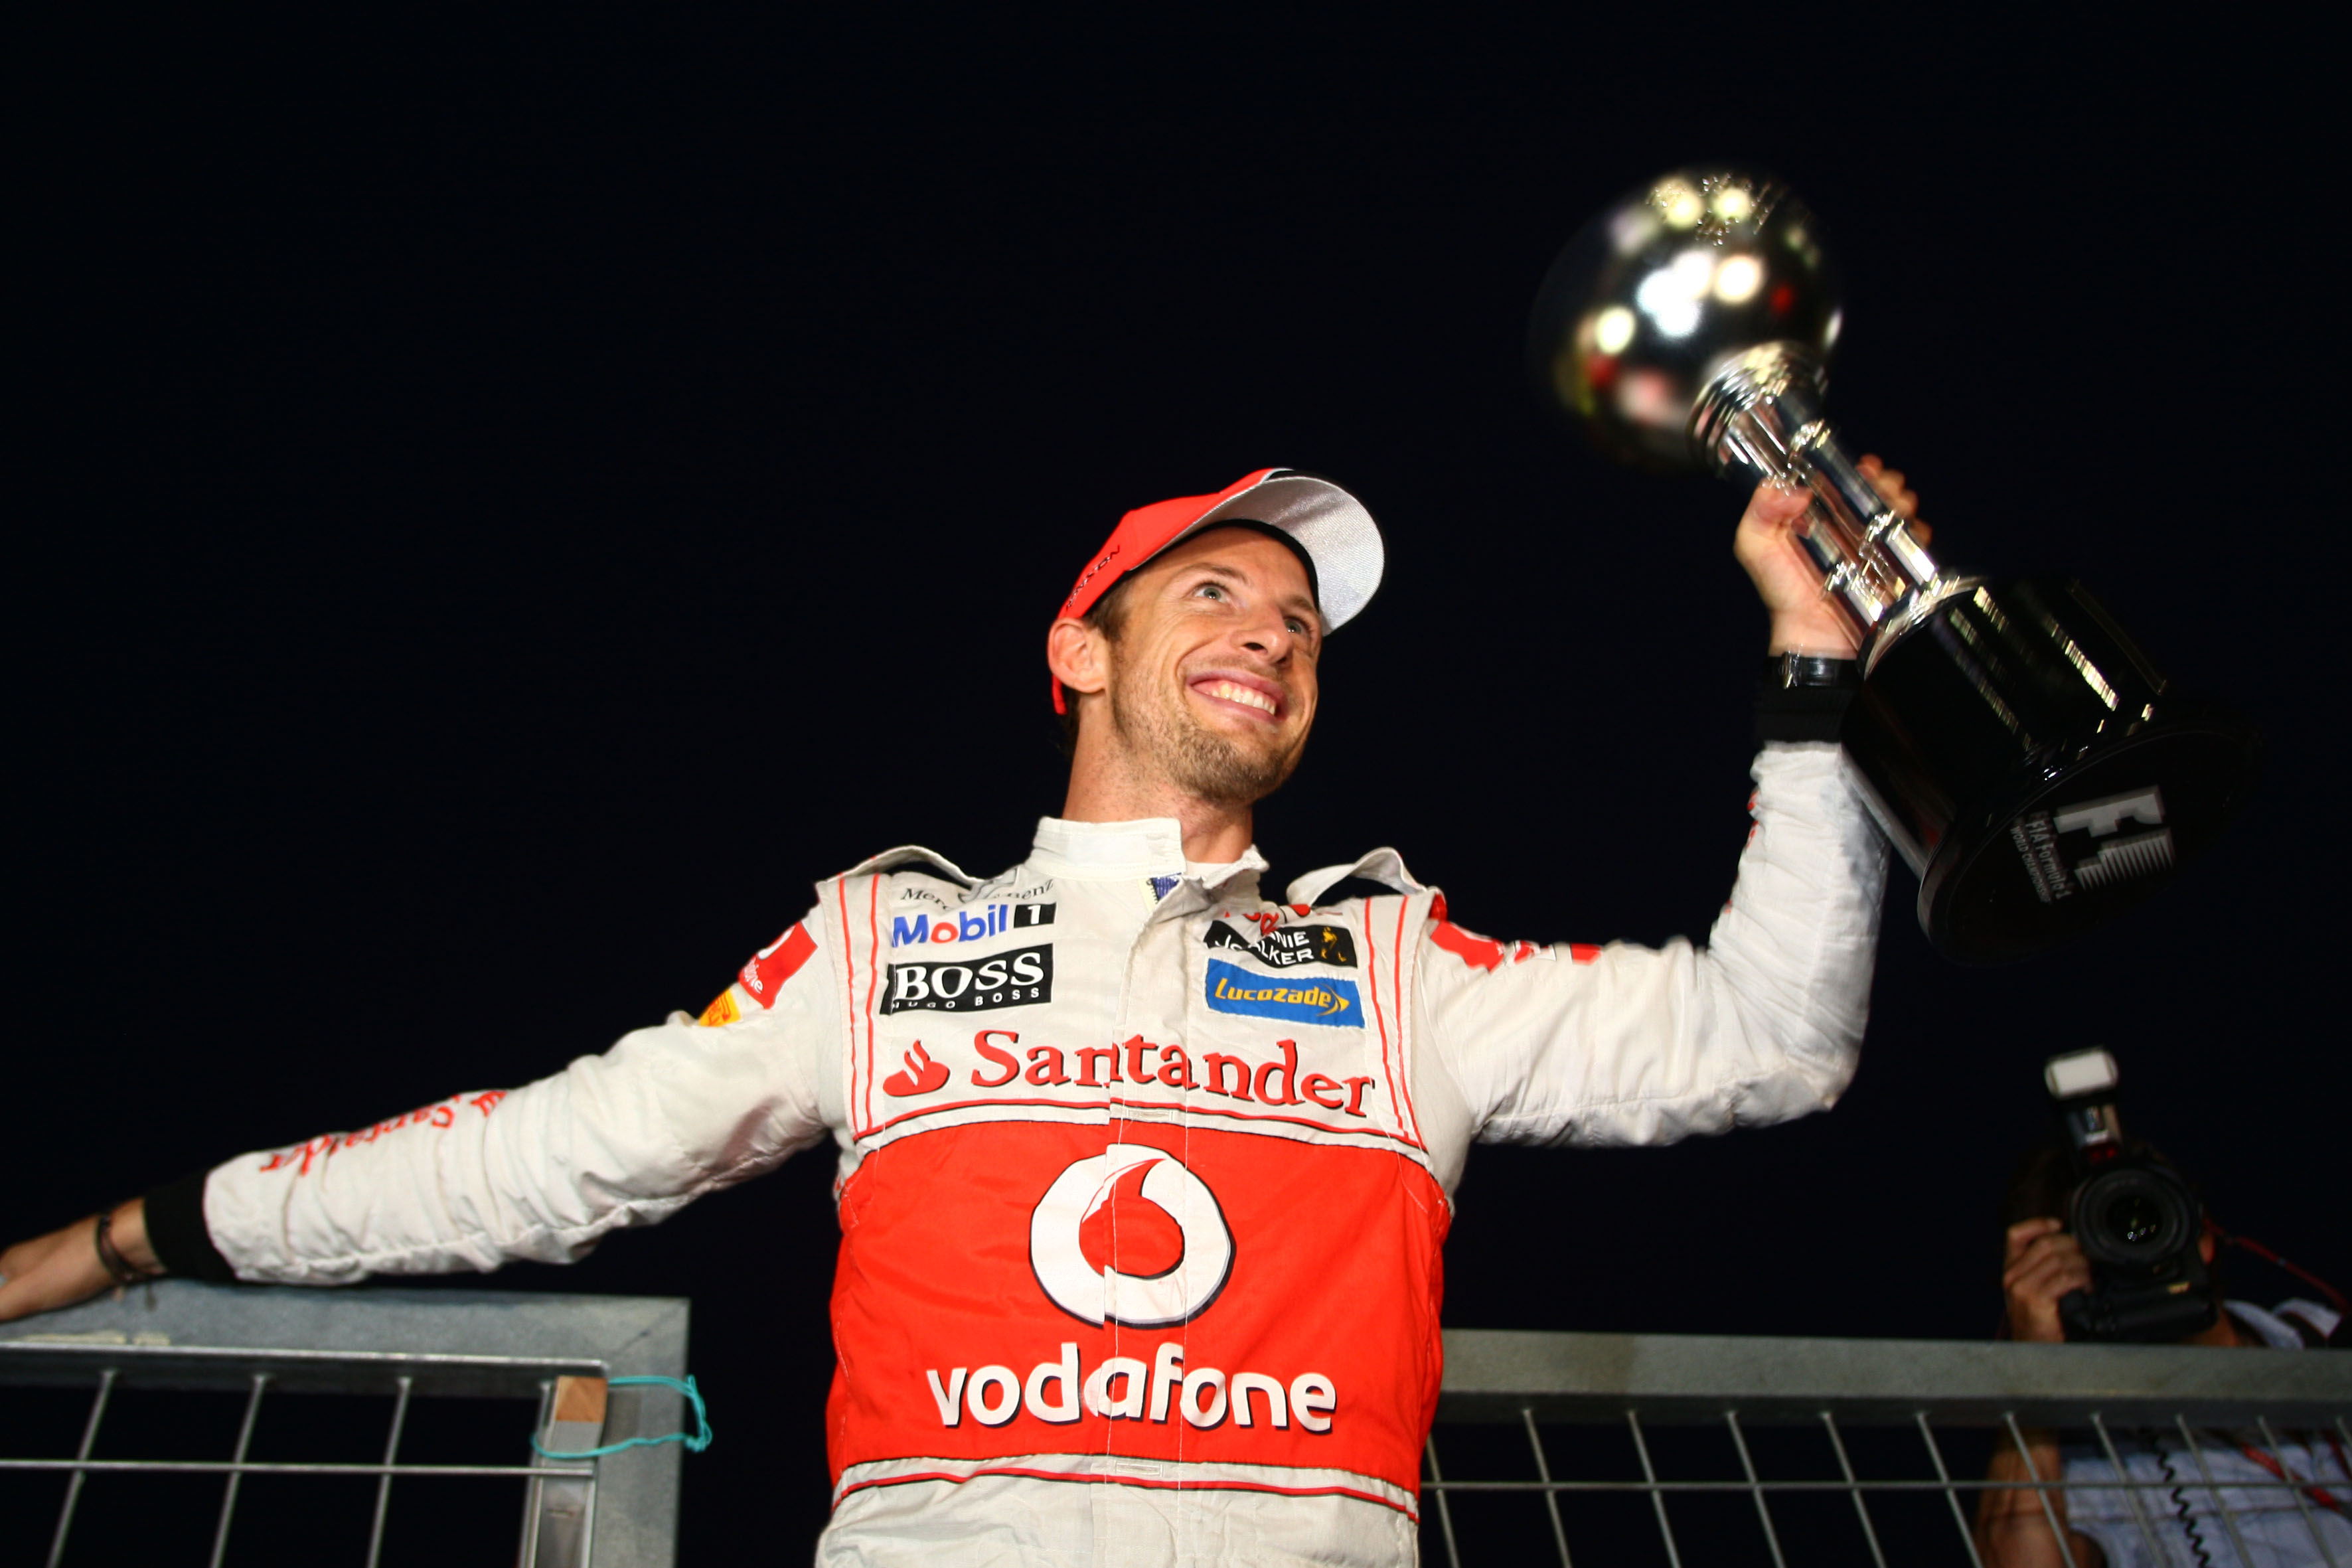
x,y
502,504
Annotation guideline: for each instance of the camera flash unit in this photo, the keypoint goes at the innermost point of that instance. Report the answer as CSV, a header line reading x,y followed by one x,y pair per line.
x,y
2078,1073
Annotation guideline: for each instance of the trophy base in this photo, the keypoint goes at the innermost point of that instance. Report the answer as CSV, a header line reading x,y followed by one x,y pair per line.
x,y
2033,769
2030,872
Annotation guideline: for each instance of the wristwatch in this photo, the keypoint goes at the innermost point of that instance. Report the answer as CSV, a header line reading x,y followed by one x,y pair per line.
x,y
1803,696
1789,671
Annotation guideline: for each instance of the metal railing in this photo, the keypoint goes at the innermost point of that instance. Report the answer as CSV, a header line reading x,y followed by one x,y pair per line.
x,y
1593,1447
1684,1449
542,1360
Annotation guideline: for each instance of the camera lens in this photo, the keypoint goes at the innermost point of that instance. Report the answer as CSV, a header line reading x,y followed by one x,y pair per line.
x,y
2138,1217
2135,1218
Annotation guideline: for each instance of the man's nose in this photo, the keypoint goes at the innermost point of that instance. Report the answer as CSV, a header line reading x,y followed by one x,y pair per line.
x,y
1269,638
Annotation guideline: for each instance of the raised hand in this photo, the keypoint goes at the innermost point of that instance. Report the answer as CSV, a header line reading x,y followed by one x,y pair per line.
x,y
1804,620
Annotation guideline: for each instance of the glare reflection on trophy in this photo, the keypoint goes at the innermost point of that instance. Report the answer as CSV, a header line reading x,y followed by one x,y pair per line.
x,y
2022,755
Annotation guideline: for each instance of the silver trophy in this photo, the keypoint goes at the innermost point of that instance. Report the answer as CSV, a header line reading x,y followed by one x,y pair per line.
x,y
2022,755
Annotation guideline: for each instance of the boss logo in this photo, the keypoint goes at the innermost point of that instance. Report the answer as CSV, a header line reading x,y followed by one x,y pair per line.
x,y
1012,979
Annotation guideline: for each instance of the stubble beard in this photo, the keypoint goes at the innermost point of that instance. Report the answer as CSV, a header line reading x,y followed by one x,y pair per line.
x,y
1195,760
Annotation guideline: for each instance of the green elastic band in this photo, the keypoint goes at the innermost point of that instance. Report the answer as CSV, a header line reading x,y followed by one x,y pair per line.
x,y
695,1441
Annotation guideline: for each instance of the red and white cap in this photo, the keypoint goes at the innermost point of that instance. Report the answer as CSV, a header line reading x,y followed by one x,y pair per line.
x,y
1327,523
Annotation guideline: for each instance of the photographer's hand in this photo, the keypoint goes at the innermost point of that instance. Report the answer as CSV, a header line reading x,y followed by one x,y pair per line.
x,y
63,1268
2041,1264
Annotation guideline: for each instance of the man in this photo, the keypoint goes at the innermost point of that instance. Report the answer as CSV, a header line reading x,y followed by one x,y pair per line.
x,y
1143,1178
2179,1522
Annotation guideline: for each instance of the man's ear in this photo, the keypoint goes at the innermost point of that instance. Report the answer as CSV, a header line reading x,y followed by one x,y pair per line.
x,y
1078,654
2205,1247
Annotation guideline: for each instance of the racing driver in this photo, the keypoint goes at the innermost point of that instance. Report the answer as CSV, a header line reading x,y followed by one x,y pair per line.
x,y
1077,1106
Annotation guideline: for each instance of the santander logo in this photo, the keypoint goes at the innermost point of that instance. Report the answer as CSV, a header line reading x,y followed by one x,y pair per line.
x,y
924,1075
1130,1237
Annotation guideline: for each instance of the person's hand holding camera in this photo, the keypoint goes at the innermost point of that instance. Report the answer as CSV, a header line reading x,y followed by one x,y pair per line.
x,y
2041,1264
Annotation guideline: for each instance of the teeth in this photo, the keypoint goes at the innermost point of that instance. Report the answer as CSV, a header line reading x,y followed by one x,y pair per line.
x,y
1247,696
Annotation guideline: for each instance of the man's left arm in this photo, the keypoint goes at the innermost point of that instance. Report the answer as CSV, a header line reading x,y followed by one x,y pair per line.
x,y
1625,1043
1630,1045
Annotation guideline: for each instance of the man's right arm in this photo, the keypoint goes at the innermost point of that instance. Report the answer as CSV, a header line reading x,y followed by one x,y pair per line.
x,y
63,1268
541,1173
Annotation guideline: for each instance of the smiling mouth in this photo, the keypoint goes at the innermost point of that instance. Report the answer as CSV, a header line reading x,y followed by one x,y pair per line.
x,y
1246,696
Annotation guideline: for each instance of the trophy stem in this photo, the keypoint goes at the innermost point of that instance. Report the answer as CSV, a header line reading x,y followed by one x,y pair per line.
x,y
1760,414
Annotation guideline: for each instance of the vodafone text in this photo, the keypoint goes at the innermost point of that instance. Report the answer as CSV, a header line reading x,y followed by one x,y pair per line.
x,y
1221,1073
1204,1396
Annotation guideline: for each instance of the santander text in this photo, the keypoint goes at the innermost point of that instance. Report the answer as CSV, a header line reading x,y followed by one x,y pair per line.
x,y
1277,1082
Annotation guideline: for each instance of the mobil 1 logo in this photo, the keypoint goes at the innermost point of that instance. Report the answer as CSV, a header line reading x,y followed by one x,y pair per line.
x,y
922,927
974,985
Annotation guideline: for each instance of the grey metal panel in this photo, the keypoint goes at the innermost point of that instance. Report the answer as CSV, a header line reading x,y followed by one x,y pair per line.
x,y
1493,1374
291,1371
184,1333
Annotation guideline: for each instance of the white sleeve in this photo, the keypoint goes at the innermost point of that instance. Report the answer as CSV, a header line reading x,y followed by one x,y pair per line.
x,y
1629,1045
542,1171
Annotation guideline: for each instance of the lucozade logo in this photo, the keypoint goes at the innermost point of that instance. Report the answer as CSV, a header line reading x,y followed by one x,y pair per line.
x,y
1075,1245
1320,1001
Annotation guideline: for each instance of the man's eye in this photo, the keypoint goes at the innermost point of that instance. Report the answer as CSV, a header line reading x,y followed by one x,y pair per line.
x,y
1298,627
1209,590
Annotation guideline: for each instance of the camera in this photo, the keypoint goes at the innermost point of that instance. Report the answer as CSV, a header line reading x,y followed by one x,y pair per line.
x,y
2134,1216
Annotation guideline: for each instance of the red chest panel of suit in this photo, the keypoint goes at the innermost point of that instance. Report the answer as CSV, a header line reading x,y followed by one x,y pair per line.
x,y
1141,1290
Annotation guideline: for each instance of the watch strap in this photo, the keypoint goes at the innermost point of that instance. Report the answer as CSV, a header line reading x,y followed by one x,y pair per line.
x,y
1803,697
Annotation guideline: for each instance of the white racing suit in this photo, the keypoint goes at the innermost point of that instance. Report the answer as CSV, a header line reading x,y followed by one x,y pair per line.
x,y
1143,1178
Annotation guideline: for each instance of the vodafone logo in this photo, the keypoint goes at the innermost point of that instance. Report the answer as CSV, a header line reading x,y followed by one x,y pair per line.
x,y
1135,1206
1130,1237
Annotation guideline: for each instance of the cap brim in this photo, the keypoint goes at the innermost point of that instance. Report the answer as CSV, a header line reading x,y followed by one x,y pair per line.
x,y
1332,526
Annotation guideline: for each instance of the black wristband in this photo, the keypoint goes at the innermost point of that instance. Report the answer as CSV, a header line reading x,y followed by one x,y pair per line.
x,y
1801,697
119,1269
176,1230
